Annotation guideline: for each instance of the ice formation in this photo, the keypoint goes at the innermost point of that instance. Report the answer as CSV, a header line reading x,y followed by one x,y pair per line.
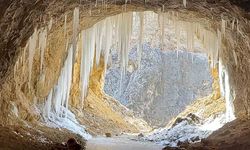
x,y
162,27
32,49
99,39
141,16
56,105
42,45
59,96
223,27
65,26
185,3
227,92
76,21
50,24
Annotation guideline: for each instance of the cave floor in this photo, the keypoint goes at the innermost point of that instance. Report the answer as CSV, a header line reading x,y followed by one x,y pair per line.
x,y
119,143
34,137
233,136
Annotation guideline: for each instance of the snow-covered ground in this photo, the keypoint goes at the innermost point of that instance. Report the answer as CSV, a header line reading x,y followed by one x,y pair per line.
x,y
185,131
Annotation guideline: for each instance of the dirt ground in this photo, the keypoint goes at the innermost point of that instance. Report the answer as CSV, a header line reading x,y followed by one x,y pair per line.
x,y
40,138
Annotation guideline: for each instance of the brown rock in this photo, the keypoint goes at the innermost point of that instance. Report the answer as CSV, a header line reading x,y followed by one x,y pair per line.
x,y
108,134
73,145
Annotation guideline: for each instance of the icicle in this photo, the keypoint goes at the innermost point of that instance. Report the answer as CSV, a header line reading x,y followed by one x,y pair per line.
x,y
190,36
65,26
87,59
162,32
185,3
24,55
238,29
229,99
233,24
50,24
108,41
48,104
161,27
98,43
15,70
76,22
42,45
141,35
32,49
177,33
223,27
106,7
218,46
92,47
83,71
235,57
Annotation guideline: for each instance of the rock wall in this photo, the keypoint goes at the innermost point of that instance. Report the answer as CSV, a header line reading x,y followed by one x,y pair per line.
x,y
163,85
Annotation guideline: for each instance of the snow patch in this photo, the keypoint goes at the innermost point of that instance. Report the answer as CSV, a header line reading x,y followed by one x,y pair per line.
x,y
185,132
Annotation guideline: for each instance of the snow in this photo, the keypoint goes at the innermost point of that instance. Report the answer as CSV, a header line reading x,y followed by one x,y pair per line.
x,y
185,132
69,123
213,124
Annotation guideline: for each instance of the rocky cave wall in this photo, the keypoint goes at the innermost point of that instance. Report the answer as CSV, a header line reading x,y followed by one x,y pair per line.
x,y
18,20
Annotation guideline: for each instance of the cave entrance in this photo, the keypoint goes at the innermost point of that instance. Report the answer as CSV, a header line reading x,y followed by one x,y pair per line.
x,y
168,78
177,77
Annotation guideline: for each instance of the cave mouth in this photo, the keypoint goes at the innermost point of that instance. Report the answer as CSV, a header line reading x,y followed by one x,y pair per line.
x,y
94,48
62,87
168,78
176,79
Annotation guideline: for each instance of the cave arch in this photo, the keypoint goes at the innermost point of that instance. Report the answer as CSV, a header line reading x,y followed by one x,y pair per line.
x,y
20,19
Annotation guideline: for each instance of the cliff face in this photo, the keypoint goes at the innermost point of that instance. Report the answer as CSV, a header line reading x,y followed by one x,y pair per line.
x,y
163,85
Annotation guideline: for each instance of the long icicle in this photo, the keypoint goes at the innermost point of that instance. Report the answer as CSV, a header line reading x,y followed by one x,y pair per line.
x,y
141,35
76,22
32,49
